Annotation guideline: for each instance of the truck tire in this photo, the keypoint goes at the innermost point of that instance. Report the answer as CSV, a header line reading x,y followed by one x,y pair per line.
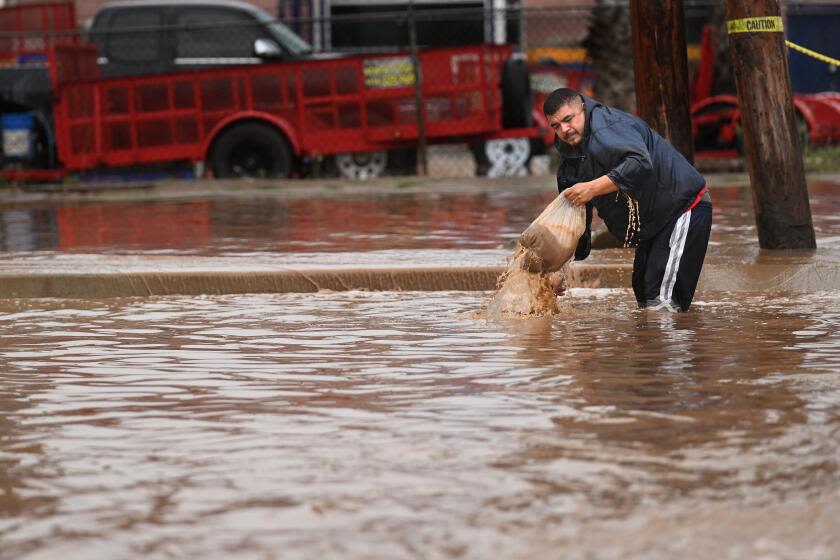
x,y
516,94
253,150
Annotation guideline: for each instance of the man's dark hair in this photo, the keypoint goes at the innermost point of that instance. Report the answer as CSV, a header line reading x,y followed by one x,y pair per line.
x,y
558,98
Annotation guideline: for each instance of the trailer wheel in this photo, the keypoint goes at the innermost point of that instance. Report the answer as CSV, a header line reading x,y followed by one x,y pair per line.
x,y
361,165
507,157
251,150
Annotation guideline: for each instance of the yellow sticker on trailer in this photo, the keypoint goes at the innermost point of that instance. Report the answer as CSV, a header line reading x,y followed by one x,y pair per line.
x,y
388,72
770,24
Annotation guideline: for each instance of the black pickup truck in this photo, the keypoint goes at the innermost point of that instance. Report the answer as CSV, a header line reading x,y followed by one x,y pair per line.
x,y
161,36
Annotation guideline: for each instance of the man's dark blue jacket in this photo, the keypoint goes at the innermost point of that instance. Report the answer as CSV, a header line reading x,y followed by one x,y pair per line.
x,y
643,165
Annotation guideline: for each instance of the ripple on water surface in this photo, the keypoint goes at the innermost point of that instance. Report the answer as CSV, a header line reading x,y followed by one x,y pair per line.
x,y
374,425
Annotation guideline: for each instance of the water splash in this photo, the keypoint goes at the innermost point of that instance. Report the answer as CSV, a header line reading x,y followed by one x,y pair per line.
x,y
522,293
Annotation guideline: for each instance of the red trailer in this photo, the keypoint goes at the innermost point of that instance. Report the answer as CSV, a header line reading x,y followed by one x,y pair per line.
x,y
261,120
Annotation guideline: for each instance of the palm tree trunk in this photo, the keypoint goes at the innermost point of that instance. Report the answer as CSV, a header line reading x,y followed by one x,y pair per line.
x,y
609,46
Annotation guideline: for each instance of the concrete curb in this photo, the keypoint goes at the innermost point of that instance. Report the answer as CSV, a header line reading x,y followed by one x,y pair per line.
x,y
135,283
808,277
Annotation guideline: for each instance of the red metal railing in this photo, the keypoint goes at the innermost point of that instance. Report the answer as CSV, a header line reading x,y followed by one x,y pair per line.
x,y
324,106
29,31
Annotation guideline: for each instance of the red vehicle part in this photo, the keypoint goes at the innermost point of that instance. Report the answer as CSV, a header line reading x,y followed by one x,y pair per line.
x,y
716,121
353,104
714,125
28,31
821,113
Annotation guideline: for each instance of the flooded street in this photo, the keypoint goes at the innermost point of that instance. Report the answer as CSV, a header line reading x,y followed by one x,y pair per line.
x,y
478,218
379,425
385,425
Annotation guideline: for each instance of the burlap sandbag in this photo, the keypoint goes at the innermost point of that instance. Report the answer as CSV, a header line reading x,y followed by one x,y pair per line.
x,y
550,241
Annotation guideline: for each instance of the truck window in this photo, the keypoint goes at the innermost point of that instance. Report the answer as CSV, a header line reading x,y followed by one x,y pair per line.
x,y
204,33
133,36
288,40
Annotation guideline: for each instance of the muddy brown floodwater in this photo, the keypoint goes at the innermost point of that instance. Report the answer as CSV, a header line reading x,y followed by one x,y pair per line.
x,y
362,425
395,425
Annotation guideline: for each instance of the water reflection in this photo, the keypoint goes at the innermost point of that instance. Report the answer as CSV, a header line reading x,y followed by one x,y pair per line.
x,y
268,225
27,229
368,425
362,222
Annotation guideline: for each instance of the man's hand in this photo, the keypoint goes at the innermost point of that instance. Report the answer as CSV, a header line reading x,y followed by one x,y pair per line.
x,y
558,283
581,193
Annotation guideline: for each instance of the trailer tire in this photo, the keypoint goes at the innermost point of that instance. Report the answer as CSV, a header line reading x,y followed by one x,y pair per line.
x,y
251,149
516,94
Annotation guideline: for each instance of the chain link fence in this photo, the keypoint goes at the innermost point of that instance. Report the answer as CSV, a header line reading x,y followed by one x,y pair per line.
x,y
547,45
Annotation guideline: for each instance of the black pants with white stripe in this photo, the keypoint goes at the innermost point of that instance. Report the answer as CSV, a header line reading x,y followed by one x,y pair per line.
x,y
667,266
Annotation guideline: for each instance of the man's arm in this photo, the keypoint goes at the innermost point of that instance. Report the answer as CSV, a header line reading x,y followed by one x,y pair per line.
x,y
628,158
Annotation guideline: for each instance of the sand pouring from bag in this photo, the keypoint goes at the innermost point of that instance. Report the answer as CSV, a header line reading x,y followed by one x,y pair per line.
x,y
520,292
544,248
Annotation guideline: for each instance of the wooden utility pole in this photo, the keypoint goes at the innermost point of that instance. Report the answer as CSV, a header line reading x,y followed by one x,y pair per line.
x,y
772,150
663,97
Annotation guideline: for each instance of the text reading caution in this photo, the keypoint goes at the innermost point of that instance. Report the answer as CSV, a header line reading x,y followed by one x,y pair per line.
x,y
771,24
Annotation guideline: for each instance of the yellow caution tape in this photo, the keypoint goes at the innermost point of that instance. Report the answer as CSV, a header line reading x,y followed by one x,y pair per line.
x,y
769,24
813,54
773,24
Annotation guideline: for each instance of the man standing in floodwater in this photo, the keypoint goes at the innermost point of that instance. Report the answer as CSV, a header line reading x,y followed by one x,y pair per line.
x,y
646,192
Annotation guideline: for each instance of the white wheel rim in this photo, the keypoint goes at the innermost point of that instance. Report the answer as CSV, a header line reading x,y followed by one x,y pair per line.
x,y
507,156
361,165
